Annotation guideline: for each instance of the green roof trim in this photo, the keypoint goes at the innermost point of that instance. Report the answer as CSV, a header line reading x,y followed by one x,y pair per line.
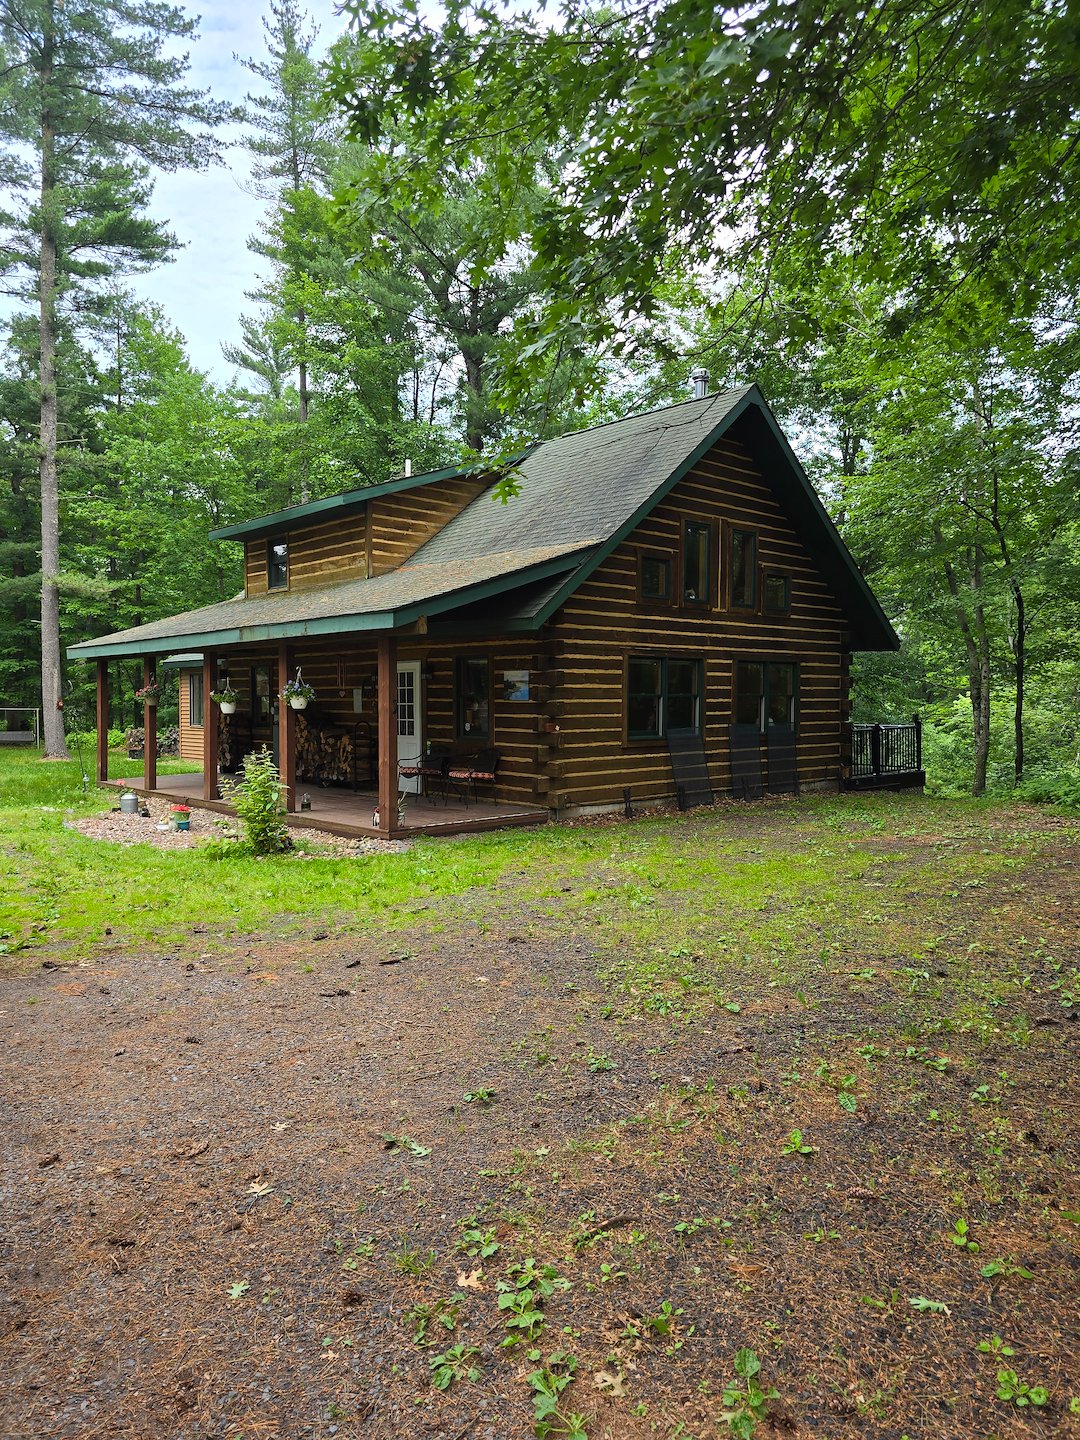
x,y
371,621
350,500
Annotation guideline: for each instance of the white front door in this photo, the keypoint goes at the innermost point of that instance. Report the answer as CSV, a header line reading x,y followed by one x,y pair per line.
x,y
409,721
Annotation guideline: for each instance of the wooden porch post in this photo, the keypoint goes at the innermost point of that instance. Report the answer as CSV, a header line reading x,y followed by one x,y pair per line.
x,y
210,732
286,731
102,721
388,737
149,671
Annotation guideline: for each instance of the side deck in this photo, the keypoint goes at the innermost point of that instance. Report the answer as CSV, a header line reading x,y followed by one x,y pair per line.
x,y
343,812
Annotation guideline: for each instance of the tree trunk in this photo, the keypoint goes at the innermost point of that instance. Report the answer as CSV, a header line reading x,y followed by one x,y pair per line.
x,y
977,649
51,680
1021,669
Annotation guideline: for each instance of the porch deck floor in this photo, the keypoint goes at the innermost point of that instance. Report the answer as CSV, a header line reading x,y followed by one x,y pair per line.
x,y
343,812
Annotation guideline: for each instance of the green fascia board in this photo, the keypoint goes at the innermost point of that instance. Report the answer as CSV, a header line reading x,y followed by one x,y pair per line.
x,y
186,661
332,625
350,500
752,399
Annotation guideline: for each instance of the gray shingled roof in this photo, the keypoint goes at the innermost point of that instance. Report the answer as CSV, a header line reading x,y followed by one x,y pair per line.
x,y
579,495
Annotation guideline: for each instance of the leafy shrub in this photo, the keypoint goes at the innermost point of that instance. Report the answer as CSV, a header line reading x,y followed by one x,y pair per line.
x,y
1052,787
260,805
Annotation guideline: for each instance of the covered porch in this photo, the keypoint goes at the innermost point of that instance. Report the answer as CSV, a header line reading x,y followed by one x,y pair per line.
x,y
343,812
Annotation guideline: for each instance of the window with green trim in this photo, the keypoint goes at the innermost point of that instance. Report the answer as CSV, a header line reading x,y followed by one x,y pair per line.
x,y
663,693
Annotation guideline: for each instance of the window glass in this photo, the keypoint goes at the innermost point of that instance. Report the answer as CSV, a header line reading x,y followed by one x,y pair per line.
x,y
277,564
777,593
780,690
695,573
683,695
473,697
655,577
749,691
644,698
743,569
261,697
195,698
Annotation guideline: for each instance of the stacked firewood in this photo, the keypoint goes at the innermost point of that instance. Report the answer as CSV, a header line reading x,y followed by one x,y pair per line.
x,y
323,755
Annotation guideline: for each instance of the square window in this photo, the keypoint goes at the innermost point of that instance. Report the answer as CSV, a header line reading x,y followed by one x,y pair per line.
x,y
765,693
777,593
472,697
662,695
696,564
654,577
277,564
743,569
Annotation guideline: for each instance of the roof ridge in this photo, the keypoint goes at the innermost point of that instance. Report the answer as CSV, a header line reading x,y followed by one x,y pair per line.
x,y
642,414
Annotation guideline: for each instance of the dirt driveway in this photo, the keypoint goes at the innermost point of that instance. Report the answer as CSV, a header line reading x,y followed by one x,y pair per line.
x,y
245,1194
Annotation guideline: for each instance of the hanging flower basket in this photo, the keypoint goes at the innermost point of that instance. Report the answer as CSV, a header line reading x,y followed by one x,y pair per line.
x,y
298,692
224,699
149,694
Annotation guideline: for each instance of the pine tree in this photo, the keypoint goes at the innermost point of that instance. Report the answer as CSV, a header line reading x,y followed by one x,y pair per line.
x,y
88,89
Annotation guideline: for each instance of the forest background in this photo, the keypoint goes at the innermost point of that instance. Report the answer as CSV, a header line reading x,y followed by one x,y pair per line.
x,y
492,226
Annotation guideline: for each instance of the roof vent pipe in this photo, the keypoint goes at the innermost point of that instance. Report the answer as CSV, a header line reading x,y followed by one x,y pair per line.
x,y
408,469
699,379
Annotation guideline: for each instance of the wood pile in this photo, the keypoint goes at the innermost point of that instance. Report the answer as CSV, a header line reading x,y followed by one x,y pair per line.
x,y
322,755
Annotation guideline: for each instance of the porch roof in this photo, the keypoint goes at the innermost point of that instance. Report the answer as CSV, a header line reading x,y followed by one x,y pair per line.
x,y
385,602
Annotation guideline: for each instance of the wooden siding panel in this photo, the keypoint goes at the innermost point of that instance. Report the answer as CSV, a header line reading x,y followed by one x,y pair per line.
x,y
604,620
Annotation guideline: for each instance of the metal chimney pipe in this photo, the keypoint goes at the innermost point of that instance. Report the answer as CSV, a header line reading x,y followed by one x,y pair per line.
x,y
408,468
699,378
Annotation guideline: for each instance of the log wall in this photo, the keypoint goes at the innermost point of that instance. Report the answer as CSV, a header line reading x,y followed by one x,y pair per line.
x,y
373,541
605,620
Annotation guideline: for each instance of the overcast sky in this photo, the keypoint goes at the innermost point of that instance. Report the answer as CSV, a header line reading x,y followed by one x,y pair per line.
x,y
209,211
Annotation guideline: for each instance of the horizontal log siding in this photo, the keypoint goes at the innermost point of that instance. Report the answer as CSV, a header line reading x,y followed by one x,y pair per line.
x,y
191,736
332,550
401,523
376,540
604,621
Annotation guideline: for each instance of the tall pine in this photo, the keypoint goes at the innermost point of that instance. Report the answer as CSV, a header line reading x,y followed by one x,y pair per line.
x,y
89,102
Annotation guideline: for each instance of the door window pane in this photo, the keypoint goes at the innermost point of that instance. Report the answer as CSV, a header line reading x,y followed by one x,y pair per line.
x,y
473,698
695,576
743,569
644,698
406,703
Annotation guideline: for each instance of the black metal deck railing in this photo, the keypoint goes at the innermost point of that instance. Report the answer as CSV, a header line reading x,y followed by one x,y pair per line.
x,y
886,750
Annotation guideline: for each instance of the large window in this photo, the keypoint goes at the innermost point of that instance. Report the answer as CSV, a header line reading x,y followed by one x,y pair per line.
x,y
472,697
765,693
696,563
662,694
195,698
743,570
277,564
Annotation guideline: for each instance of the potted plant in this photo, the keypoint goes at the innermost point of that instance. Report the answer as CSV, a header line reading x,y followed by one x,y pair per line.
x,y
225,699
298,692
150,693
181,816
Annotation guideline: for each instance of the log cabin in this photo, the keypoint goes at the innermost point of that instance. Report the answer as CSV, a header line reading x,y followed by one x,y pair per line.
x,y
664,612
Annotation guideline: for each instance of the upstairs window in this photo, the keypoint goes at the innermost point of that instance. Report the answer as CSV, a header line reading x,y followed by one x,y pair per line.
x,y
776,593
654,577
696,563
743,570
277,564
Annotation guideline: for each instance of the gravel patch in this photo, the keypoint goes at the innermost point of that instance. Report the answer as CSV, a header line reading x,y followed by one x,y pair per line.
x,y
156,829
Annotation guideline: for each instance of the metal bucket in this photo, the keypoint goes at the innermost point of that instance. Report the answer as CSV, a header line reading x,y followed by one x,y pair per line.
x,y
129,803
